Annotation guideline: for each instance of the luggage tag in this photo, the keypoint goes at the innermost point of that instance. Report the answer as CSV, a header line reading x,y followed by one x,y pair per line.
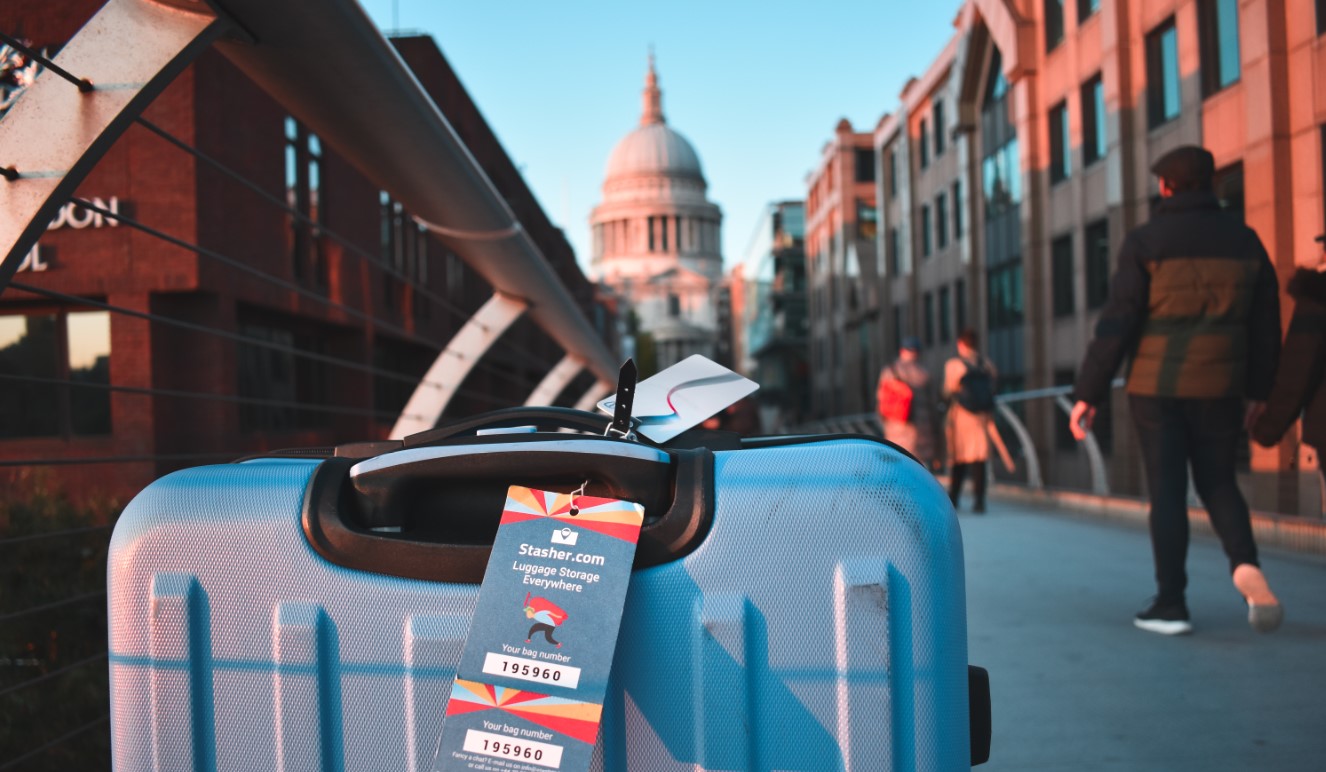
x,y
683,396
529,689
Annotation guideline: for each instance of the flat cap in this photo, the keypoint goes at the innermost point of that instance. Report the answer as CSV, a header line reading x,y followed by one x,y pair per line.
x,y
1186,164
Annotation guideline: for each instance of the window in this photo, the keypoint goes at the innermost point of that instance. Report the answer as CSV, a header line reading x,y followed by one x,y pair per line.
x,y
1218,27
403,252
1162,74
925,144
925,231
58,348
651,234
1061,162
957,209
1085,8
303,181
867,219
865,165
1321,17
939,129
941,219
1001,176
274,373
1093,121
996,84
422,305
1005,295
1054,24
892,256
899,313
928,304
674,305
960,304
1061,275
1323,148
893,172
1096,238
945,315
455,277
316,209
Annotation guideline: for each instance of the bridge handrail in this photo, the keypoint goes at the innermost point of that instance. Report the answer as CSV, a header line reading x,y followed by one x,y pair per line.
x,y
1100,484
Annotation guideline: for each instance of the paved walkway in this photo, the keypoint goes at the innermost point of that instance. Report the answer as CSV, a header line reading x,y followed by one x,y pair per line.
x,y
1076,687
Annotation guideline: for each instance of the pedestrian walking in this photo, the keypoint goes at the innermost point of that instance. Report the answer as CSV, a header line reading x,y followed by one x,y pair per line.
x,y
1194,302
905,401
1300,383
969,427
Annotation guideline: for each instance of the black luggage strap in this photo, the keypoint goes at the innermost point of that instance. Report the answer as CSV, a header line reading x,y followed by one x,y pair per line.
x,y
622,425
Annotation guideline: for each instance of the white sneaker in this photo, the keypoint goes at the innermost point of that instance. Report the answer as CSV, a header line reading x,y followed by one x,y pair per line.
x,y
1166,620
1264,610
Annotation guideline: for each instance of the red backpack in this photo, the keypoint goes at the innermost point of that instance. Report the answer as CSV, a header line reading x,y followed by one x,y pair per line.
x,y
895,400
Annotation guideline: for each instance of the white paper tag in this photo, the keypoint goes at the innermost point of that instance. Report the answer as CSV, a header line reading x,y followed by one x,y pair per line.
x,y
683,396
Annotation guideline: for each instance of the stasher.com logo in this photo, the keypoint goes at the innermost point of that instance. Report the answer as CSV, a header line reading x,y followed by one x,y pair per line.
x,y
565,536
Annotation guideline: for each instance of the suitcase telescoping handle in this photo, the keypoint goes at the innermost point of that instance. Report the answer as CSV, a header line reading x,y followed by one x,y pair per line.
x,y
431,511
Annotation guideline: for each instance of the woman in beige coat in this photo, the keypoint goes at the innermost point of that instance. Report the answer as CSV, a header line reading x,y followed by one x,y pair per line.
x,y
970,432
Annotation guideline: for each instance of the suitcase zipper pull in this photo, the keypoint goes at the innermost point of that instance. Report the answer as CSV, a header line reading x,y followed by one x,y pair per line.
x,y
622,424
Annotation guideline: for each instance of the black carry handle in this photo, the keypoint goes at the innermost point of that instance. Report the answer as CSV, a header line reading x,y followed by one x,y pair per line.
x,y
542,418
446,488
432,512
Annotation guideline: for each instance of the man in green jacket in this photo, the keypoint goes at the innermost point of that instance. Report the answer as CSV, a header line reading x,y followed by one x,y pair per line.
x,y
1195,304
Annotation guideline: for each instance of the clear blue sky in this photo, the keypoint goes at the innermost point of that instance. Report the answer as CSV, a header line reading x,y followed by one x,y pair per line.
x,y
756,87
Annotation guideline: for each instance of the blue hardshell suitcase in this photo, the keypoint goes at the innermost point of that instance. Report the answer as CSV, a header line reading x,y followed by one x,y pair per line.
x,y
797,604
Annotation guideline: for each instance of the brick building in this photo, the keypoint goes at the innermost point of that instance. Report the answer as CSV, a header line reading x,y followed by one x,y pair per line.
x,y
769,315
299,306
842,280
1013,167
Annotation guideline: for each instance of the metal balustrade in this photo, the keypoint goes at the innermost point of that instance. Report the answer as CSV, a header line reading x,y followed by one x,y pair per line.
x,y
1106,464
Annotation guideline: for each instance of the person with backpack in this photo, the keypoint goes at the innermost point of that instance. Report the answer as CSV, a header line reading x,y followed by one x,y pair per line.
x,y
905,402
969,385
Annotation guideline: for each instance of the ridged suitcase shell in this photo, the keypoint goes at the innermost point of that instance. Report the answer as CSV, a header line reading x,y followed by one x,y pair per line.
x,y
819,626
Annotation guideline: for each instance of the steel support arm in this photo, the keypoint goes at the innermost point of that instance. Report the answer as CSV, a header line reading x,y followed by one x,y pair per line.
x,y
598,391
556,380
439,385
56,132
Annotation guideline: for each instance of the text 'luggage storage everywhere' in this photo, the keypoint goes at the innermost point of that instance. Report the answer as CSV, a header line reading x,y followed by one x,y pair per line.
x,y
796,604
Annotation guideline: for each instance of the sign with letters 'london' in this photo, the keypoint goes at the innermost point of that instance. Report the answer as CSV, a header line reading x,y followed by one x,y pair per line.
x,y
76,217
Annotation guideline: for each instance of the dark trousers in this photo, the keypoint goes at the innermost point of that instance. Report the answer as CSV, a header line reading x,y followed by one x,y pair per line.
x,y
959,473
546,629
1204,434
